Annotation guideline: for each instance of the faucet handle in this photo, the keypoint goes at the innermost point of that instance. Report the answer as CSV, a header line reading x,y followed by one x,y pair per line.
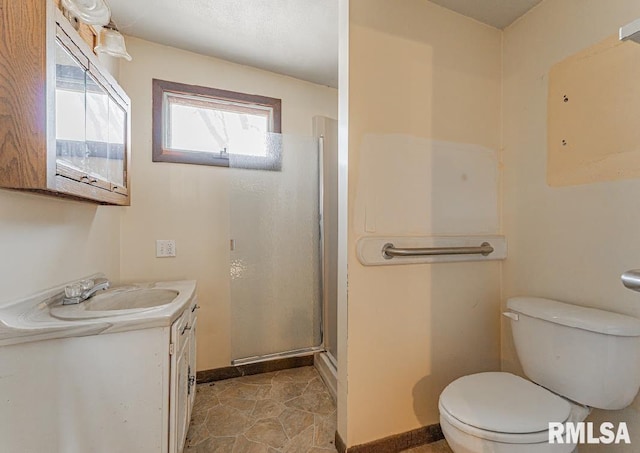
x,y
72,294
74,290
87,284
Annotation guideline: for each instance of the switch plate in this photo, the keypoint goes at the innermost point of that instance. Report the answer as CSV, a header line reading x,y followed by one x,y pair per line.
x,y
165,248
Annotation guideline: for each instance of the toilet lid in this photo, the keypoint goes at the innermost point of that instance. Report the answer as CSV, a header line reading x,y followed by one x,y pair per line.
x,y
503,402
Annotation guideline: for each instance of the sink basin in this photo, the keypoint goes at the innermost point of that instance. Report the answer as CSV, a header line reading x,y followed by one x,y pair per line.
x,y
122,300
129,299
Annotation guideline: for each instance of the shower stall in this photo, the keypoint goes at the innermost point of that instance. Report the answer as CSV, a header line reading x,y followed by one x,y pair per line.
x,y
283,223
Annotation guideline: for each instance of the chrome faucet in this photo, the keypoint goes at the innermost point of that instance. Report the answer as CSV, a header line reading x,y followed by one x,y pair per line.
x,y
81,291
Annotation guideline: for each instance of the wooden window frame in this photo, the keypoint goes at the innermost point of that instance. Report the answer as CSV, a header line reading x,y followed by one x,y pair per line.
x,y
162,154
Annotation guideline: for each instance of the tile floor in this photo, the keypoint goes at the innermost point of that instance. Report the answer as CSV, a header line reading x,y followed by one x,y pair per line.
x,y
286,411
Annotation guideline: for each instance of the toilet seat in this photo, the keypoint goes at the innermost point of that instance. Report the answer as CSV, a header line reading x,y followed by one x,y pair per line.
x,y
502,407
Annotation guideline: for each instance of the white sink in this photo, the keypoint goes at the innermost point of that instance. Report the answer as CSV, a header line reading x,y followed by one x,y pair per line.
x,y
118,301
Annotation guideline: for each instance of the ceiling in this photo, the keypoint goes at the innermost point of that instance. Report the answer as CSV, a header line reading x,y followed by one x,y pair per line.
x,y
497,13
298,38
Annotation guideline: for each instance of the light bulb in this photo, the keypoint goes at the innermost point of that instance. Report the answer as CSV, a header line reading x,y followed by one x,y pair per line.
x,y
92,12
112,43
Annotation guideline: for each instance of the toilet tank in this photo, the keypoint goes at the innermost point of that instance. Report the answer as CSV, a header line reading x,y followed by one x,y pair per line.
x,y
589,356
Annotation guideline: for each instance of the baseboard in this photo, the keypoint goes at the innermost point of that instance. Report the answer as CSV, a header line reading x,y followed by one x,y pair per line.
x,y
220,374
328,373
395,443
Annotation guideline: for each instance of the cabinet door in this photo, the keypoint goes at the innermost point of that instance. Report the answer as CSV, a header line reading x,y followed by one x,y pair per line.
x,y
70,108
91,127
179,384
182,400
192,364
97,129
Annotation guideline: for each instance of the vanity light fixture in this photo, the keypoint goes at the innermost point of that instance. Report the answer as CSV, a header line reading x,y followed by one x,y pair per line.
x,y
91,12
111,42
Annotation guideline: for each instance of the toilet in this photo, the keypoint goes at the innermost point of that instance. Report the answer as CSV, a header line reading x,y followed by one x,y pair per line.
x,y
576,358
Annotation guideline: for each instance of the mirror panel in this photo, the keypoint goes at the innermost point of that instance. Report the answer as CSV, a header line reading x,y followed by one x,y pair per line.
x,y
97,132
117,143
70,109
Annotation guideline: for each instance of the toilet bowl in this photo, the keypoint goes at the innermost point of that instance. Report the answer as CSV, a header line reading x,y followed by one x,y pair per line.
x,y
575,357
503,413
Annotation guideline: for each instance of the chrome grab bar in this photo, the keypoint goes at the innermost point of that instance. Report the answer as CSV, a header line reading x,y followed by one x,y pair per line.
x,y
389,251
631,279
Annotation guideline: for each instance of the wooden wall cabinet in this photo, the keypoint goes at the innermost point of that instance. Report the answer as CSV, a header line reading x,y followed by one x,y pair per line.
x,y
64,121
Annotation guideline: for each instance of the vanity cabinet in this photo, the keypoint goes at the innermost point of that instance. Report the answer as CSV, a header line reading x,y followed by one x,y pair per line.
x,y
183,377
64,121
130,389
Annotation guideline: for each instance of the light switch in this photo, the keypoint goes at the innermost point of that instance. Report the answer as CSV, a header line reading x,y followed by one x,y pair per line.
x,y
165,248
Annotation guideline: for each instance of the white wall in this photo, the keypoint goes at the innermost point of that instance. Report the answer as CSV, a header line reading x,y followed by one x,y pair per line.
x,y
190,203
46,241
424,90
568,243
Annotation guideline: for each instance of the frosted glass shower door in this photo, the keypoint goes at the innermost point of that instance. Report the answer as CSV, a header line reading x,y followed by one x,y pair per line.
x,y
275,256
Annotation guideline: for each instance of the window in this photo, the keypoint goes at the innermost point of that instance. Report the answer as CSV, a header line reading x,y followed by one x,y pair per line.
x,y
206,126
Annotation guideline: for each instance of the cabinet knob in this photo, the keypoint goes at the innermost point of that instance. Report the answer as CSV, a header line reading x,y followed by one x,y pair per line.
x,y
187,327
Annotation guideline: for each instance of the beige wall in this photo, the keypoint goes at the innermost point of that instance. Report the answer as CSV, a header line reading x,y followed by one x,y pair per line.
x,y
47,241
190,203
417,74
568,243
